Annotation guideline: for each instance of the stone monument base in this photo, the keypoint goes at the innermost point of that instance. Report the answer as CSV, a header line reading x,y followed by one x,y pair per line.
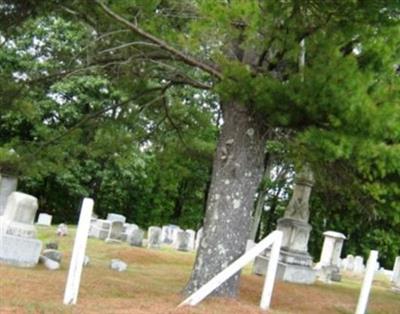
x,y
329,273
286,272
17,251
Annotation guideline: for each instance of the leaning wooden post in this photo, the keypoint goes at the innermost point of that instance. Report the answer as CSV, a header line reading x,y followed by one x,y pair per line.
x,y
367,282
78,253
271,272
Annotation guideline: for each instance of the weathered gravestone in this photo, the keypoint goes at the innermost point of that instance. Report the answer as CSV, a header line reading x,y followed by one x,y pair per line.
x,y
115,232
169,234
154,238
8,184
358,265
328,266
135,238
295,263
19,246
128,228
44,219
99,228
116,217
192,237
183,241
350,263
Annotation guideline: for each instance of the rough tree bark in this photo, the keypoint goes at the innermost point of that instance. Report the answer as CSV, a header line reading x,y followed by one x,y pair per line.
x,y
237,172
259,205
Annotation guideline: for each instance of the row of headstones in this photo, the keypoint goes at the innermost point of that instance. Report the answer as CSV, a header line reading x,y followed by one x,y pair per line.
x,y
330,262
115,229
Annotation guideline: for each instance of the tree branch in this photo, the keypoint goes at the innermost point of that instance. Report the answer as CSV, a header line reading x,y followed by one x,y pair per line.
x,y
163,45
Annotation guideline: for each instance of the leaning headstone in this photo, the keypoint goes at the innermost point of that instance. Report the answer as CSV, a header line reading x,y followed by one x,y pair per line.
x,y
116,217
54,255
18,243
62,230
99,228
192,239
199,234
135,238
115,232
350,263
358,265
154,238
328,266
8,184
183,241
118,265
44,219
78,253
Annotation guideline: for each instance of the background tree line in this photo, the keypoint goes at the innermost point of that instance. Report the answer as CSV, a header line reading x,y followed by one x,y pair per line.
x,y
88,120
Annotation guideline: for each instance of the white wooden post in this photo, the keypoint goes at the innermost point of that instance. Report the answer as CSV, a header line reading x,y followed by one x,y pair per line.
x,y
216,281
367,282
271,272
78,253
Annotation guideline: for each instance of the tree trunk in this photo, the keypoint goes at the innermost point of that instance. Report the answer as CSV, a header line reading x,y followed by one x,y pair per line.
x,y
262,193
237,172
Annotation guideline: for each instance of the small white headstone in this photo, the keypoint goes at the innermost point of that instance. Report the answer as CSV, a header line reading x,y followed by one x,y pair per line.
x,y
192,239
44,219
182,241
359,264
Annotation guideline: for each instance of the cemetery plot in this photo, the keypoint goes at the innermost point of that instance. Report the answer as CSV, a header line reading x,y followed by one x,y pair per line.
x,y
154,279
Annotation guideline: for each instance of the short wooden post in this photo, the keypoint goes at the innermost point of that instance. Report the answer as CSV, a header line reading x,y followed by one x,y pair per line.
x,y
367,282
224,275
78,253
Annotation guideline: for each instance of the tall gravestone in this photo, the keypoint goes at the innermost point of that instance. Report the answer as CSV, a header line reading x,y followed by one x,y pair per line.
x,y
295,263
328,266
18,243
8,184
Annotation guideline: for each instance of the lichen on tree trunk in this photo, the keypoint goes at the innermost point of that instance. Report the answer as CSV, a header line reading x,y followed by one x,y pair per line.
x,y
237,171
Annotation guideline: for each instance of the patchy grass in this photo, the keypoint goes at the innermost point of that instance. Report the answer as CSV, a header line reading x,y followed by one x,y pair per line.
x,y
154,280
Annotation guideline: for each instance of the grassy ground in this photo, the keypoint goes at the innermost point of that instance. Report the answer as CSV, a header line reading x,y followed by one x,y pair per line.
x,y
153,282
